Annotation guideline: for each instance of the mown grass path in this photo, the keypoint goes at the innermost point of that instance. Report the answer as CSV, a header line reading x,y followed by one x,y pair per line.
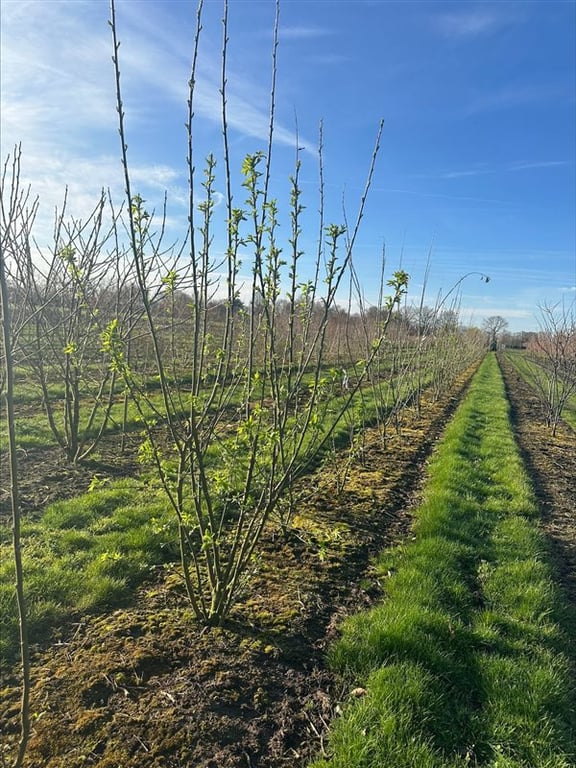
x,y
466,662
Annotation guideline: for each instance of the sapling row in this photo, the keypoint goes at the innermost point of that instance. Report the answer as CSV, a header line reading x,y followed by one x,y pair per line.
x,y
552,355
258,406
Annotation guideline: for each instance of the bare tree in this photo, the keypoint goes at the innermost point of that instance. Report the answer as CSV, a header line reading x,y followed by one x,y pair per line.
x,y
552,353
17,212
82,284
494,326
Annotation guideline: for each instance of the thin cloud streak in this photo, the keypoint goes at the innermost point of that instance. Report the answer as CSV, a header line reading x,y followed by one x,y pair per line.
x,y
527,166
470,24
484,170
462,174
167,70
300,33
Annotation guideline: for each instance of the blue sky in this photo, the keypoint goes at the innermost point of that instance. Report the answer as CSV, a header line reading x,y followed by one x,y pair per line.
x,y
477,166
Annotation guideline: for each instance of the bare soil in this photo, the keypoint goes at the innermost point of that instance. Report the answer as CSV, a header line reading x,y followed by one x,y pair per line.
x,y
551,462
145,686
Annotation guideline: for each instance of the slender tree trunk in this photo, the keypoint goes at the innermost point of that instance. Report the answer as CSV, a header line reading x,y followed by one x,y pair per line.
x,y
15,504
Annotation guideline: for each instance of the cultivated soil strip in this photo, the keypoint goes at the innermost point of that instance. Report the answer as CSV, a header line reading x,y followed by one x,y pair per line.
x,y
551,462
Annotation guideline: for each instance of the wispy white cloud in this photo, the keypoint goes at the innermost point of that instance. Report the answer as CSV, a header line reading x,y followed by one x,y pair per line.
x,y
161,179
55,76
528,165
65,84
470,23
156,58
469,172
300,33
161,176
484,169
58,102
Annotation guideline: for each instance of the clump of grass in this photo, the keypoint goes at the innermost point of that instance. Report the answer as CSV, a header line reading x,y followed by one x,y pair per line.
x,y
383,726
466,661
85,554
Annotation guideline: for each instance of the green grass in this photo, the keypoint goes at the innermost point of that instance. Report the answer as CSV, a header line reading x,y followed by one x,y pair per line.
x,y
85,554
466,661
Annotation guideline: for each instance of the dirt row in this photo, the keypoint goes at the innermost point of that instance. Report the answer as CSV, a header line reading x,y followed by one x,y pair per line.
x,y
145,686
551,462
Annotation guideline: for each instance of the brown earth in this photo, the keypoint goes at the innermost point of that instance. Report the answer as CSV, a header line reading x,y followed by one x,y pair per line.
x,y
551,462
145,686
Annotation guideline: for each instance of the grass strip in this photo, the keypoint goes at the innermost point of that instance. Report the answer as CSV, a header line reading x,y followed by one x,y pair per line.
x,y
466,662
85,554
